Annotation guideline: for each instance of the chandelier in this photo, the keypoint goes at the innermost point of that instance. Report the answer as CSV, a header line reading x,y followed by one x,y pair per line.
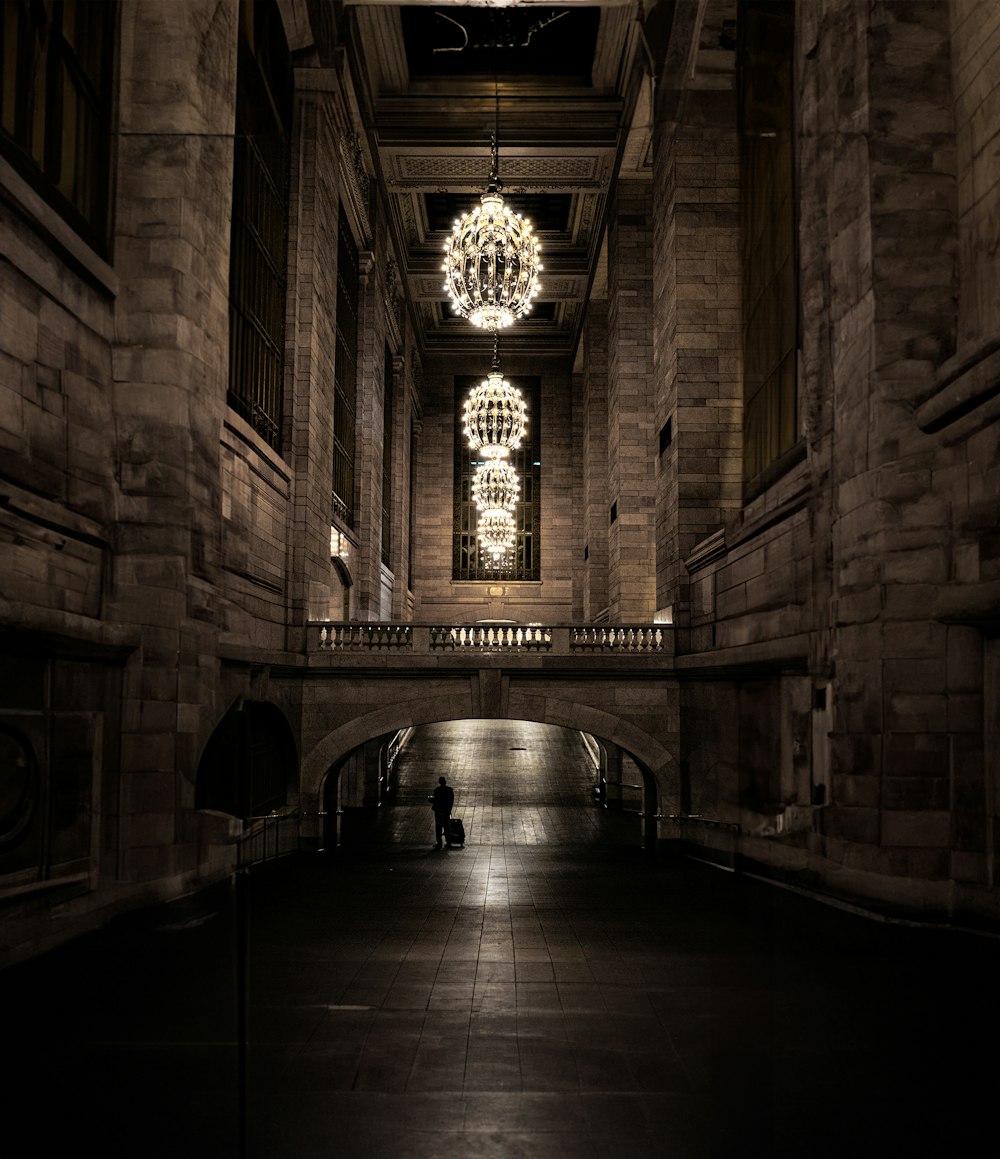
x,y
491,260
496,537
495,486
494,414
495,422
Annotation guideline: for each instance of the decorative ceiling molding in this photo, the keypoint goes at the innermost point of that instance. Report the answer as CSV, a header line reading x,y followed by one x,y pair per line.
x,y
447,170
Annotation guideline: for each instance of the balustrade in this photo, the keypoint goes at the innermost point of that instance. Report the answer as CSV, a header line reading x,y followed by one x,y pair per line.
x,y
600,639
604,638
508,637
363,637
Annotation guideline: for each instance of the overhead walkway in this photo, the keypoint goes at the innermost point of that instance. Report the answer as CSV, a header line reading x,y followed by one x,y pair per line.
x,y
548,991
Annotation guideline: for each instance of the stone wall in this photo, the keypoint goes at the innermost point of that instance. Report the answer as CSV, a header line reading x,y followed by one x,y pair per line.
x,y
631,413
161,555
696,355
595,462
867,566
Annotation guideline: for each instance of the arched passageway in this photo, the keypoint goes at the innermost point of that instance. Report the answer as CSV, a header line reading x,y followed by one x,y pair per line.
x,y
515,783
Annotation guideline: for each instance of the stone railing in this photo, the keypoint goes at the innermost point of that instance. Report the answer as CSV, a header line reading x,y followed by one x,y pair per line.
x,y
512,639
360,637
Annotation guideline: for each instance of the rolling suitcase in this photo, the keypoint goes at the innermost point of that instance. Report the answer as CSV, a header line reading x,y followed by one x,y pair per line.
x,y
457,831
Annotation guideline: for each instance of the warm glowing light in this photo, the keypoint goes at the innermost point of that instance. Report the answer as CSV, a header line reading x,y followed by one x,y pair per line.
x,y
492,261
496,536
495,487
494,415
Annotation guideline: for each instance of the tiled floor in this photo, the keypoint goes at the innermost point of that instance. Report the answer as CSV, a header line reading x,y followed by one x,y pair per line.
x,y
546,991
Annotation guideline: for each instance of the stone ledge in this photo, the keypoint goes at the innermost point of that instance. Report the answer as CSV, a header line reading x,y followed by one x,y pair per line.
x,y
964,383
55,229
66,633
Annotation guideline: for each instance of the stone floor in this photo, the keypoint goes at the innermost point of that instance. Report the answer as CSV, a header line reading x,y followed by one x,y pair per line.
x,y
546,991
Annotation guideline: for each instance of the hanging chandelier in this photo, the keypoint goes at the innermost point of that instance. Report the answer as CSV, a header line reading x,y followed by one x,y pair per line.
x,y
496,533
494,414
495,487
495,422
491,259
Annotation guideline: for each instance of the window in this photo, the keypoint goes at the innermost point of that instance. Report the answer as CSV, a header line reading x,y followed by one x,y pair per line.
x,y
768,251
388,397
259,246
345,374
55,105
466,562
411,504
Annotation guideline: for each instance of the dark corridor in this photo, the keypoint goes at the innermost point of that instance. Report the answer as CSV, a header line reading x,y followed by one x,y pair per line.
x,y
546,991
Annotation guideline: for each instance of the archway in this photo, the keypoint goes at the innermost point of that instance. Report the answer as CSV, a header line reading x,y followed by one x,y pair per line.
x,y
351,789
249,763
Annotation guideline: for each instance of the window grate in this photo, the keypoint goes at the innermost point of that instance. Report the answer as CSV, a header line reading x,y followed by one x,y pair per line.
x,y
55,106
345,374
767,235
466,561
388,398
259,241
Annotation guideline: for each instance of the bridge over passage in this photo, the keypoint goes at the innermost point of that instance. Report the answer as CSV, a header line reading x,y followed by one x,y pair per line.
x,y
367,681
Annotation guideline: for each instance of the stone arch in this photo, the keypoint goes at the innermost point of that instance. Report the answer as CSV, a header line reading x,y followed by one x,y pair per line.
x,y
655,762
249,762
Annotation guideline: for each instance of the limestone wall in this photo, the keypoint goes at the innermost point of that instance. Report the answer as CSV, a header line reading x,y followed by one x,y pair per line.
x,y
159,554
867,565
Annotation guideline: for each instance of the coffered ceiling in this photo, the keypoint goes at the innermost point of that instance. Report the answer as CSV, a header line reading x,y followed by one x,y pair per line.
x,y
567,90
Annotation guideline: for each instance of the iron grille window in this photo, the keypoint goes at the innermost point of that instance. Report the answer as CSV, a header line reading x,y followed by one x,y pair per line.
x,y
388,398
259,244
345,374
467,563
411,505
769,259
55,105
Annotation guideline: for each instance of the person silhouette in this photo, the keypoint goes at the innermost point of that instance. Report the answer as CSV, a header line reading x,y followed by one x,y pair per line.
x,y
441,801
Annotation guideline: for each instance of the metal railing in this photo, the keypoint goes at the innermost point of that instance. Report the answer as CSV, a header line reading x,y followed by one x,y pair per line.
x,y
557,639
266,838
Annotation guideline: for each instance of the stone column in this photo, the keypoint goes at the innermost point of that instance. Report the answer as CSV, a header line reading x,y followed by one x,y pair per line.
x,y
312,253
595,460
174,186
631,416
368,441
399,508
696,279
